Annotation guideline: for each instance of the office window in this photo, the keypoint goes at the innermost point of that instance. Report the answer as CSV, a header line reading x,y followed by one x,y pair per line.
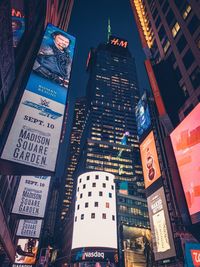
x,y
161,33
185,91
170,17
103,215
186,11
97,177
100,193
195,78
172,58
107,178
89,194
80,181
92,215
78,207
175,29
110,195
155,13
82,216
104,185
166,45
78,189
112,187
96,204
113,217
86,204
84,186
188,59
158,21
107,205
165,7
93,184
75,218
81,195
181,43
193,25
88,177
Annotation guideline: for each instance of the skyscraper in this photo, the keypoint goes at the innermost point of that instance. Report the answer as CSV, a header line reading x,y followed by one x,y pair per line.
x,y
169,31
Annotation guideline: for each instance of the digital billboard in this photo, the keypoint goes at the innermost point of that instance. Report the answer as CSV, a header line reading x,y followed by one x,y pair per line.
x,y
26,251
29,228
142,116
136,246
31,196
35,133
186,145
163,244
150,164
192,254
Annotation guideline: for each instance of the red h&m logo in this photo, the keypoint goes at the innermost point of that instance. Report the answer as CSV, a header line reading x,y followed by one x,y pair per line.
x,y
195,257
118,42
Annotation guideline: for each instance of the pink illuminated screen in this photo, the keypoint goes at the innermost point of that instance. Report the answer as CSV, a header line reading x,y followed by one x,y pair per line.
x,y
186,144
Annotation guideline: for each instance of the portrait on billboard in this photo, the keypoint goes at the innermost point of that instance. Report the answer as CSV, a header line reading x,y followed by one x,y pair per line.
x,y
142,116
26,251
186,145
150,163
54,58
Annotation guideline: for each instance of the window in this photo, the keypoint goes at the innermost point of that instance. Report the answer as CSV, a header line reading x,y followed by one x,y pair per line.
x,y
107,178
112,187
188,59
170,16
198,41
82,216
172,58
89,194
75,218
110,195
181,43
78,189
80,181
175,29
195,78
92,215
84,186
104,185
155,13
161,33
96,204
113,217
158,21
103,215
178,73
185,91
107,205
86,204
100,193
88,178
165,7
166,45
188,110
186,11
193,25
93,184
97,177
81,195
78,207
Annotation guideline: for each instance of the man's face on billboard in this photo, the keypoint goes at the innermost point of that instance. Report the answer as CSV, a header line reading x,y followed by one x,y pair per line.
x,y
61,42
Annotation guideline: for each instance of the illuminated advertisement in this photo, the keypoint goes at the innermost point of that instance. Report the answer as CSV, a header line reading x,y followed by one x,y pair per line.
x,y
26,251
136,246
192,254
18,20
186,145
150,164
31,196
34,136
29,228
142,115
163,245
116,41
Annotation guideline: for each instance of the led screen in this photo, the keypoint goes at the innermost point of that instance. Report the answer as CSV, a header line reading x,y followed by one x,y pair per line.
x,y
150,164
136,246
31,196
26,251
34,136
142,116
186,145
163,244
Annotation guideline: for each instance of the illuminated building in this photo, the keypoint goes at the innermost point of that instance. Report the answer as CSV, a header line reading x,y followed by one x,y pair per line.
x,y
74,152
170,32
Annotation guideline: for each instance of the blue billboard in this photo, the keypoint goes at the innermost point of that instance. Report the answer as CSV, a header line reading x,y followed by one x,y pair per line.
x,y
192,254
142,116
35,133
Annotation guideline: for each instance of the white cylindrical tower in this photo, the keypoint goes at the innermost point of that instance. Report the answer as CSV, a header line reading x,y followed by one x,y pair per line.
x,y
95,222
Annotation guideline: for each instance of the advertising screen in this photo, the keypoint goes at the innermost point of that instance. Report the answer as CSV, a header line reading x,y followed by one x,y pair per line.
x,y
192,254
163,244
136,246
29,228
150,164
186,145
26,251
142,116
31,196
35,133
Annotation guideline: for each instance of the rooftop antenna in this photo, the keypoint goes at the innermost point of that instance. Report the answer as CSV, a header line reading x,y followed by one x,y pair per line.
x,y
109,29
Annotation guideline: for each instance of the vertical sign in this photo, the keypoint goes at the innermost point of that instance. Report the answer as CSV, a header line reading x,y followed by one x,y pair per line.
x,y
31,196
29,228
34,136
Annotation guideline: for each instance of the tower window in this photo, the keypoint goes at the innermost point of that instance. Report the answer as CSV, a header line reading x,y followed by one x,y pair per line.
x,y
103,215
93,215
82,216
86,204
100,193
89,194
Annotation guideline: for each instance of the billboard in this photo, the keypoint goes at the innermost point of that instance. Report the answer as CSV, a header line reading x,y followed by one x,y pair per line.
x,y
26,251
142,116
34,136
186,145
192,254
163,244
29,228
150,164
136,246
31,196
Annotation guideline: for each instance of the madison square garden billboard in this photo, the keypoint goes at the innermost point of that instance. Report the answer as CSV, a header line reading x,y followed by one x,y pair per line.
x,y
163,244
150,164
32,196
34,136
186,144
29,228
